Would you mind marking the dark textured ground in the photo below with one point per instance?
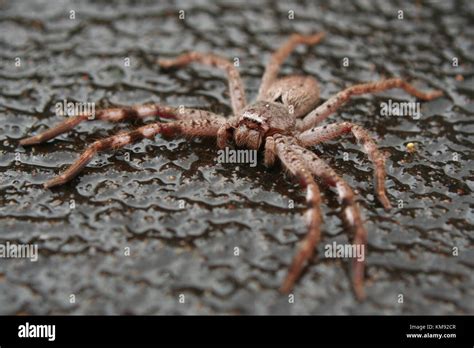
(135, 203)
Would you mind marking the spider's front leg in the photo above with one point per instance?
(278, 57)
(333, 103)
(294, 163)
(288, 150)
(350, 209)
(201, 127)
(324, 133)
(118, 115)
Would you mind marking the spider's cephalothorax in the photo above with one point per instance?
(275, 110)
(259, 120)
(284, 121)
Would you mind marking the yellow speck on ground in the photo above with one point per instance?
(411, 147)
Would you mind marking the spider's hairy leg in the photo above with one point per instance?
(117, 115)
(270, 151)
(204, 127)
(294, 163)
(350, 209)
(279, 56)
(324, 133)
(225, 132)
(236, 87)
(333, 103)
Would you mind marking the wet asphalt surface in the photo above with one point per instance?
(182, 215)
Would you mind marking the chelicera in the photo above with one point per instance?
(284, 122)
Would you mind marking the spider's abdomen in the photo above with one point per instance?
(300, 94)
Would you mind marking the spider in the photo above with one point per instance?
(283, 122)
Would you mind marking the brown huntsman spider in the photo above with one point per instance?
(284, 122)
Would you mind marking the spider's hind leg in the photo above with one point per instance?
(278, 57)
(236, 87)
